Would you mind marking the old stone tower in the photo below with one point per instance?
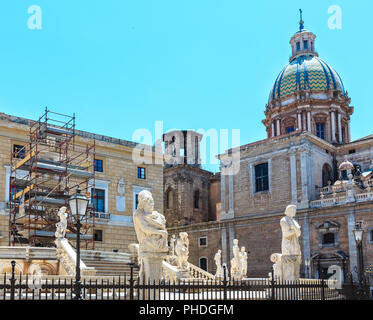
(188, 189)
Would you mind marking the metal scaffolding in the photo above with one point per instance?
(43, 176)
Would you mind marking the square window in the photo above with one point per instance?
(98, 235)
(98, 200)
(298, 46)
(99, 165)
(261, 177)
(19, 151)
(305, 45)
(328, 238)
(203, 242)
(141, 173)
(289, 129)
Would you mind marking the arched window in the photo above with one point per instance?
(326, 174)
(328, 238)
(196, 199)
(169, 199)
(203, 263)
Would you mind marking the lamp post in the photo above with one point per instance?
(307, 263)
(78, 206)
(358, 234)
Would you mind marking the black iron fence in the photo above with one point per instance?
(19, 287)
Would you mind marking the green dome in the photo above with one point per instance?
(306, 71)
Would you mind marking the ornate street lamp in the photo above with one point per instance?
(307, 263)
(78, 206)
(358, 234)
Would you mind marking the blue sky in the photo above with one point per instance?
(120, 65)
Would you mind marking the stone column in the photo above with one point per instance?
(293, 176)
(299, 121)
(222, 196)
(309, 121)
(278, 127)
(332, 115)
(224, 244)
(231, 196)
(273, 129)
(231, 238)
(340, 127)
(304, 177)
(304, 122)
(352, 245)
(348, 136)
(306, 245)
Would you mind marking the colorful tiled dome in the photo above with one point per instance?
(306, 72)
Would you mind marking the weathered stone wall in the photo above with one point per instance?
(261, 235)
(184, 180)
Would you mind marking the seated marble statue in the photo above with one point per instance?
(150, 226)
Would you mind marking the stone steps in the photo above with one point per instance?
(110, 268)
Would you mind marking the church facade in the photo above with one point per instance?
(309, 160)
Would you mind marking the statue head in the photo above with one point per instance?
(235, 241)
(291, 210)
(275, 257)
(62, 211)
(183, 235)
(146, 202)
(219, 251)
(243, 249)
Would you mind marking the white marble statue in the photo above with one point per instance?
(219, 271)
(172, 245)
(182, 250)
(61, 226)
(287, 264)
(235, 261)
(243, 259)
(150, 228)
(277, 267)
(172, 258)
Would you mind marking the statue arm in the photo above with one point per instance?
(287, 232)
(145, 227)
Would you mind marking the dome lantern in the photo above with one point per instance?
(302, 42)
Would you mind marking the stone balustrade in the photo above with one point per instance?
(364, 196)
(325, 190)
(327, 202)
(199, 273)
(27, 253)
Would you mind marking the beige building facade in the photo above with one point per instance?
(118, 180)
